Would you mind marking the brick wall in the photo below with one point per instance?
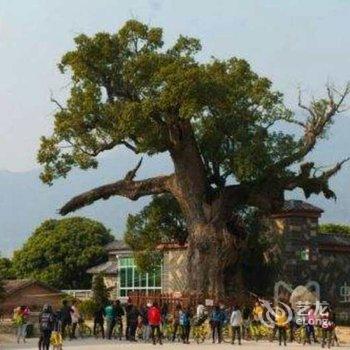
(174, 276)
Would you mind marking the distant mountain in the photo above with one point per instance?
(25, 202)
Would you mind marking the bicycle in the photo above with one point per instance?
(84, 330)
(168, 331)
(300, 335)
(226, 333)
(98, 331)
(118, 330)
(200, 332)
(259, 331)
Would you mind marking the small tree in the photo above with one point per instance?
(100, 291)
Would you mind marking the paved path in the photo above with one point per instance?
(92, 344)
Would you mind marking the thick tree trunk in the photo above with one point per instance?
(211, 250)
(211, 246)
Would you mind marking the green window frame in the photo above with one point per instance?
(130, 279)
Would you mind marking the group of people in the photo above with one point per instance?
(150, 321)
(113, 313)
(53, 326)
(306, 320)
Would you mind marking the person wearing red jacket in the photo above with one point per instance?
(154, 320)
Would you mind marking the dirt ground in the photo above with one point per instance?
(7, 342)
(92, 344)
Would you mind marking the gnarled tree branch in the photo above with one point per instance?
(321, 114)
(124, 188)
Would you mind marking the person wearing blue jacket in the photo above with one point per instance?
(217, 320)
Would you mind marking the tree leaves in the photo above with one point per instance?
(128, 90)
(60, 251)
(161, 221)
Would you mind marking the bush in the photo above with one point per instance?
(87, 309)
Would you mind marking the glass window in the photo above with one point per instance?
(122, 277)
(158, 278)
(130, 279)
(136, 278)
(303, 254)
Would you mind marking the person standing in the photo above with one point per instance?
(281, 322)
(110, 316)
(154, 320)
(257, 314)
(21, 315)
(236, 321)
(46, 323)
(327, 327)
(128, 307)
(99, 320)
(176, 320)
(66, 318)
(310, 326)
(146, 326)
(75, 315)
(217, 320)
(119, 313)
(185, 324)
(132, 320)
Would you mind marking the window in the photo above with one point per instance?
(130, 279)
(303, 254)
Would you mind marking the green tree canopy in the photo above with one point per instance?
(2, 290)
(60, 251)
(334, 228)
(219, 122)
(161, 221)
(6, 268)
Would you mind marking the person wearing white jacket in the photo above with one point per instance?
(236, 321)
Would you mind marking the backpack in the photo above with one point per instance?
(184, 319)
(46, 321)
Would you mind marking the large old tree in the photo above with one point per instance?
(219, 122)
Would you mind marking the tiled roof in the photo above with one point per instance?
(108, 268)
(117, 245)
(12, 286)
(300, 206)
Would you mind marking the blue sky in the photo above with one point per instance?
(293, 42)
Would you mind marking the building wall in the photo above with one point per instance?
(330, 269)
(111, 282)
(296, 235)
(35, 296)
(174, 278)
